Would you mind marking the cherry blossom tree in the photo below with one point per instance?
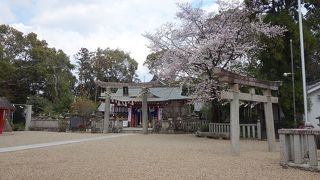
(199, 42)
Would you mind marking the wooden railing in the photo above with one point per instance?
(246, 130)
(298, 148)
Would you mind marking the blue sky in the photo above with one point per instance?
(72, 24)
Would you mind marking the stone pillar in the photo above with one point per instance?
(234, 121)
(144, 111)
(268, 113)
(312, 150)
(284, 148)
(298, 158)
(259, 129)
(106, 120)
(28, 117)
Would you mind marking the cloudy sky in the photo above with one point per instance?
(72, 24)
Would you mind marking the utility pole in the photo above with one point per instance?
(293, 87)
(303, 64)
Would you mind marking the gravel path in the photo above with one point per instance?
(144, 157)
(18, 138)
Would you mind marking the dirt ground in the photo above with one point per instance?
(140, 157)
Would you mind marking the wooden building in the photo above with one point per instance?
(163, 103)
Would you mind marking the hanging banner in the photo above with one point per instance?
(129, 114)
(112, 108)
(159, 114)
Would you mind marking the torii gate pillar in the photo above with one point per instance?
(234, 121)
(107, 111)
(268, 113)
(144, 111)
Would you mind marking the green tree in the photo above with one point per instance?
(312, 21)
(86, 85)
(152, 64)
(34, 69)
(114, 66)
(83, 106)
(275, 59)
(111, 65)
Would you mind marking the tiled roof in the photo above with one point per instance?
(154, 94)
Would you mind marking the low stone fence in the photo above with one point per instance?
(114, 125)
(298, 148)
(44, 124)
(182, 125)
(193, 125)
(246, 130)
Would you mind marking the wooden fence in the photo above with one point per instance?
(246, 130)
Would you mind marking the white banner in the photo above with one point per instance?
(159, 114)
(129, 114)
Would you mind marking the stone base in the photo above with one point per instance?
(301, 166)
(213, 135)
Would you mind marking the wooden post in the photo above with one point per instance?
(106, 111)
(144, 111)
(268, 113)
(234, 121)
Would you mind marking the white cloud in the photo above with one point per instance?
(22, 27)
(70, 25)
(6, 16)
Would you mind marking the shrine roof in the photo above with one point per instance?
(154, 94)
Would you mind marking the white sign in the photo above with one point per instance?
(125, 123)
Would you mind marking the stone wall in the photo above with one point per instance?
(44, 123)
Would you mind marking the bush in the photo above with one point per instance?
(40, 105)
(83, 106)
(19, 126)
(62, 125)
(204, 128)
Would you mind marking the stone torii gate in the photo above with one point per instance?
(235, 96)
(144, 93)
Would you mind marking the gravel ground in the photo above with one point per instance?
(142, 157)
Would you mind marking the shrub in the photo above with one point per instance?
(40, 105)
(19, 126)
(83, 106)
(62, 125)
(204, 128)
